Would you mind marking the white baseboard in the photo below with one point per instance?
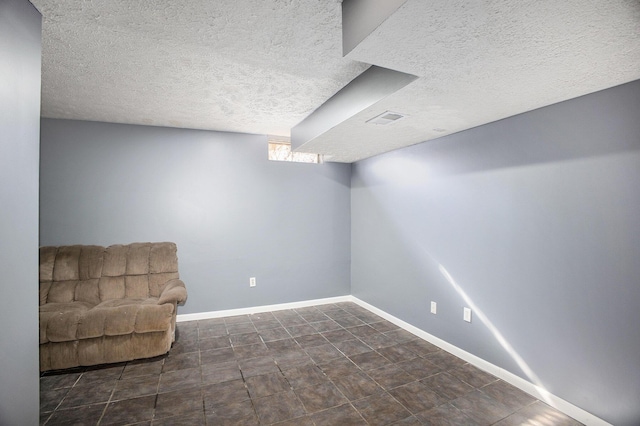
(528, 387)
(264, 308)
(536, 391)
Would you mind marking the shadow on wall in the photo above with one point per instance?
(504, 343)
(539, 136)
(426, 270)
(536, 218)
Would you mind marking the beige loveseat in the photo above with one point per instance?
(107, 304)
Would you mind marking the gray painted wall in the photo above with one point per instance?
(536, 218)
(232, 213)
(20, 27)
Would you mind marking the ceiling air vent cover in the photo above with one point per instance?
(386, 118)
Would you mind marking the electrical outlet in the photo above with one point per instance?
(466, 315)
(434, 308)
(252, 282)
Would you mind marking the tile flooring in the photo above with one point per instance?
(335, 364)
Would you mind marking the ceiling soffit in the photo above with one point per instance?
(479, 62)
(262, 66)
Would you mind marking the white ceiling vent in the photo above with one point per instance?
(386, 117)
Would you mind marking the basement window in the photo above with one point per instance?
(280, 150)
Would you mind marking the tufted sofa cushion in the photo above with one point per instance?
(59, 321)
(94, 274)
(92, 297)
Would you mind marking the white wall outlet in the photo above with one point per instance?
(252, 282)
(434, 308)
(466, 314)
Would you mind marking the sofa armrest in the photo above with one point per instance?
(174, 292)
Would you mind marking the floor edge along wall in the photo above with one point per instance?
(528, 387)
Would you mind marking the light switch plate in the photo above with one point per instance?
(434, 308)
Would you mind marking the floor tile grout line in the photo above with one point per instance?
(384, 390)
(314, 363)
(104, 411)
(298, 346)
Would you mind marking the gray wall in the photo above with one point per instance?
(536, 218)
(20, 27)
(232, 213)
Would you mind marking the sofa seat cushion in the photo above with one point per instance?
(59, 321)
(125, 316)
(64, 322)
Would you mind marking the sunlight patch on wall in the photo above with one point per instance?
(542, 392)
(402, 170)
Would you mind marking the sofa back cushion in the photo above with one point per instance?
(93, 274)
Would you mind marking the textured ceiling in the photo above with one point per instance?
(255, 66)
(261, 66)
(481, 61)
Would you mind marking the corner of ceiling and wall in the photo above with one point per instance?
(471, 64)
(317, 70)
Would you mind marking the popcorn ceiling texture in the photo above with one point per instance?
(487, 60)
(261, 66)
(255, 66)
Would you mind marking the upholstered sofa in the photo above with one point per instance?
(107, 304)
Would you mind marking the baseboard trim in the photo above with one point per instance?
(556, 402)
(536, 391)
(263, 308)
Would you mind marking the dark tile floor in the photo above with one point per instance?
(335, 364)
